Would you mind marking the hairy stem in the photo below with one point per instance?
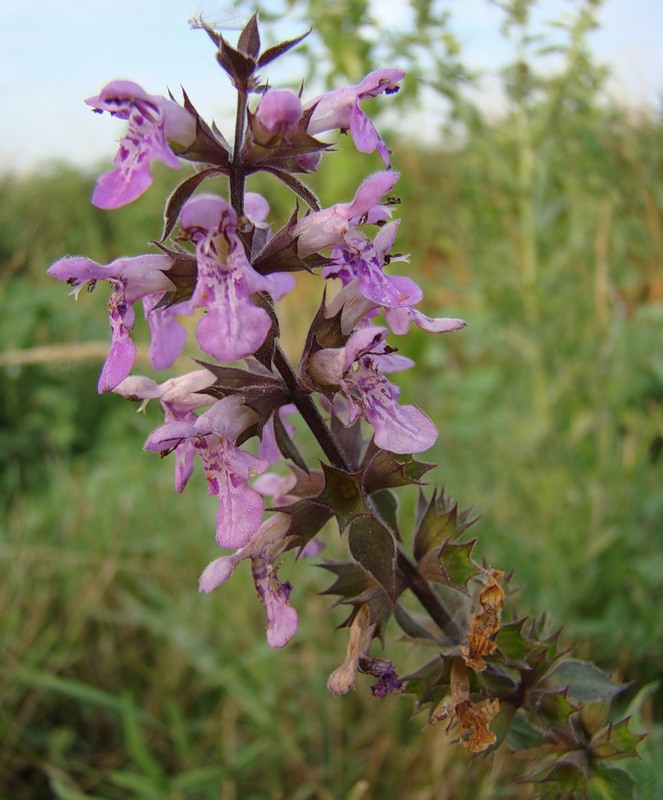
(309, 412)
(237, 176)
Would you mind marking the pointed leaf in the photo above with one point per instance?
(616, 741)
(297, 186)
(511, 642)
(344, 495)
(285, 444)
(249, 38)
(410, 625)
(237, 65)
(386, 470)
(553, 708)
(438, 520)
(373, 546)
(457, 563)
(307, 519)
(279, 49)
(611, 783)
(180, 195)
(585, 681)
(351, 579)
(386, 506)
(265, 353)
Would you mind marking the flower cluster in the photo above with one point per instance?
(227, 268)
(232, 275)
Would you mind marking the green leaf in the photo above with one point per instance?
(585, 681)
(351, 579)
(553, 708)
(437, 521)
(386, 505)
(611, 783)
(616, 741)
(307, 517)
(456, 562)
(410, 625)
(344, 495)
(384, 470)
(374, 547)
(511, 642)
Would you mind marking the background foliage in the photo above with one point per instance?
(543, 227)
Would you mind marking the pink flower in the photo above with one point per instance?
(131, 279)
(227, 468)
(154, 121)
(340, 109)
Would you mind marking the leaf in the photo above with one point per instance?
(384, 470)
(249, 39)
(279, 49)
(307, 517)
(285, 444)
(437, 520)
(410, 625)
(237, 65)
(455, 560)
(569, 771)
(297, 186)
(585, 681)
(616, 741)
(553, 708)
(374, 547)
(344, 495)
(386, 505)
(265, 353)
(611, 783)
(511, 642)
(179, 197)
(351, 579)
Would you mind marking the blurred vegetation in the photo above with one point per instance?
(543, 227)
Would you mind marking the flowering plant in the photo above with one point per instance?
(492, 678)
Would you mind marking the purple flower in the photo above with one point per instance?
(340, 109)
(263, 549)
(167, 336)
(234, 326)
(400, 319)
(227, 468)
(131, 279)
(355, 308)
(328, 228)
(365, 260)
(357, 370)
(277, 114)
(282, 618)
(179, 398)
(153, 122)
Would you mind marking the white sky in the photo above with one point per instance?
(55, 53)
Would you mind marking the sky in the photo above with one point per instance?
(55, 53)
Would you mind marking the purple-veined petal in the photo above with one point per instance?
(282, 619)
(168, 337)
(152, 121)
(168, 436)
(400, 319)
